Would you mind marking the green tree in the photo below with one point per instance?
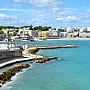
(1, 32)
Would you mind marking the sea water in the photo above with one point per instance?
(71, 73)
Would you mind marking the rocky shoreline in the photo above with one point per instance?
(8, 74)
(30, 53)
(45, 59)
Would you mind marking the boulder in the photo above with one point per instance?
(6, 75)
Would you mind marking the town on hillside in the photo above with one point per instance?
(30, 33)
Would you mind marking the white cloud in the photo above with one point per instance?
(68, 20)
(20, 0)
(3, 15)
(42, 3)
(72, 18)
(88, 10)
(9, 9)
(9, 19)
(60, 18)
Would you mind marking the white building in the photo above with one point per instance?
(54, 33)
(70, 29)
(84, 35)
(83, 29)
(88, 28)
(33, 33)
(63, 34)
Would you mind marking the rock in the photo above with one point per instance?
(45, 59)
(25, 65)
(6, 75)
(2, 82)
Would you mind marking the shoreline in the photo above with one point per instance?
(77, 38)
(31, 54)
(18, 60)
(7, 75)
(70, 39)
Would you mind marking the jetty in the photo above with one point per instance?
(45, 59)
(51, 46)
(29, 53)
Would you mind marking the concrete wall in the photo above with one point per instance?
(4, 54)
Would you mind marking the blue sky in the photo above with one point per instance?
(55, 13)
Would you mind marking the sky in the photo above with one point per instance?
(55, 13)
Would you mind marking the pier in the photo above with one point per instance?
(30, 53)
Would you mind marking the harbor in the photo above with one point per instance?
(29, 52)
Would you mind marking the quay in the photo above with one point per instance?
(52, 46)
(29, 53)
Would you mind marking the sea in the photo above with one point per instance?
(70, 72)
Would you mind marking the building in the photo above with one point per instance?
(70, 29)
(83, 29)
(10, 32)
(43, 34)
(63, 34)
(2, 36)
(88, 28)
(84, 35)
(54, 33)
(33, 33)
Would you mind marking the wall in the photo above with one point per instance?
(4, 54)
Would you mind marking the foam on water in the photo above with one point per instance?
(8, 85)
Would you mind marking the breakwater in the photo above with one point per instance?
(45, 59)
(34, 49)
(30, 53)
(51, 46)
(8, 74)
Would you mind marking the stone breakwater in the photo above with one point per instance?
(30, 53)
(8, 74)
(50, 46)
(34, 49)
(46, 59)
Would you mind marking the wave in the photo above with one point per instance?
(9, 85)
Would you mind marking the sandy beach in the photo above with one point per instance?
(71, 39)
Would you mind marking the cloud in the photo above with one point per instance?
(21, 0)
(9, 9)
(68, 19)
(72, 18)
(88, 10)
(3, 15)
(60, 19)
(9, 20)
(42, 3)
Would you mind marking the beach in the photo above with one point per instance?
(71, 39)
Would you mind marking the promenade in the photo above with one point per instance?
(29, 54)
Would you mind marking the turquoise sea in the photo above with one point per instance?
(73, 73)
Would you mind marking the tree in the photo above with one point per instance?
(1, 32)
(31, 27)
(43, 28)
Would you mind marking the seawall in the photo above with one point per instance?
(30, 54)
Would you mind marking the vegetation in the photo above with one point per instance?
(1, 32)
(31, 27)
(9, 27)
(62, 30)
(43, 28)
